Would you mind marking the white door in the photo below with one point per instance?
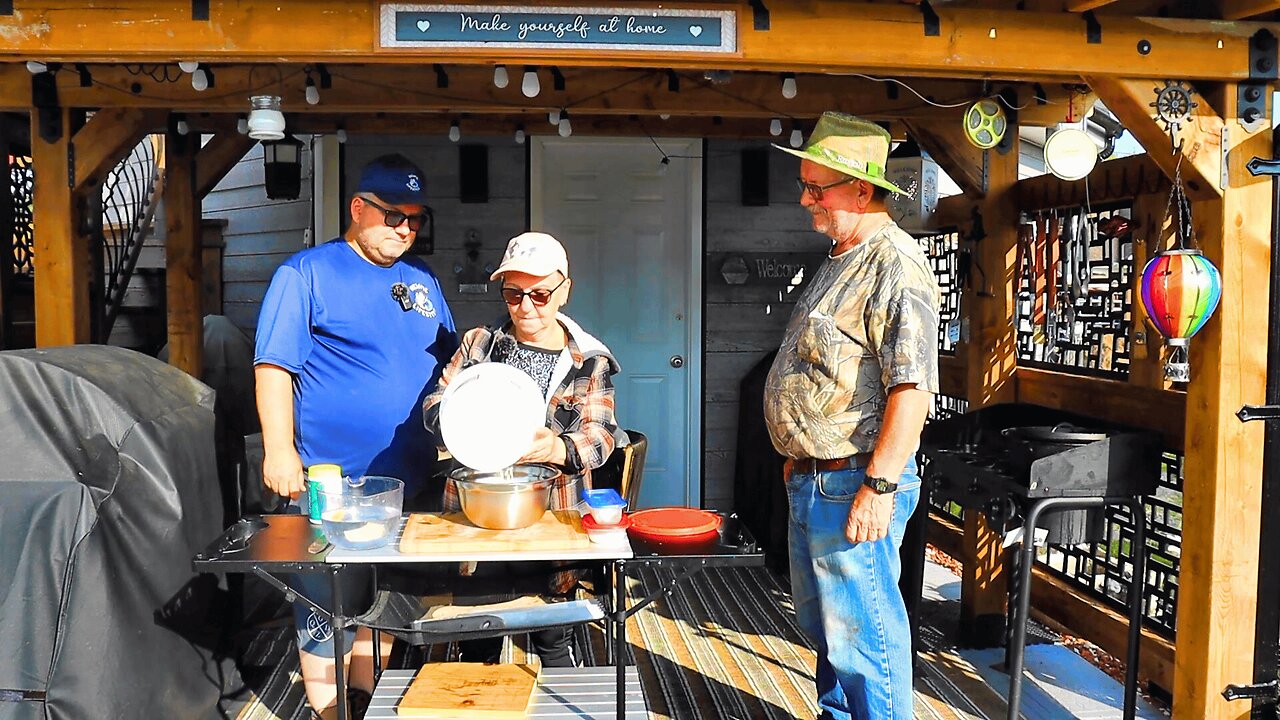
(633, 228)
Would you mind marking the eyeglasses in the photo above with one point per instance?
(537, 296)
(815, 191)
(394, 218)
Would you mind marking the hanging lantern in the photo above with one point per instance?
(985, 123)
(1180, 290)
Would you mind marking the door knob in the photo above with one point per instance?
(677, 361)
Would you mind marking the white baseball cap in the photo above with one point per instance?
(533, 253)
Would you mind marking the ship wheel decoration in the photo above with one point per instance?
(1173, 106)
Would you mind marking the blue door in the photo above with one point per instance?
(632, 227)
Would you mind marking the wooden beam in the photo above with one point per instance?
(943, 138)
(1222, 473)
(61, 251)
(184, 274)
(802, 37)
(1079, 6)
(1200, 137)
(108, 136)
(1244, 9)
(601, 91)
(1163, 411)
(218, 156)
(1111, 181)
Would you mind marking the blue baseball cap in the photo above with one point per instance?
(395, 179)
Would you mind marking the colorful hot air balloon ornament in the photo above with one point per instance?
(1180, 289)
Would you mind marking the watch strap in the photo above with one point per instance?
(879, 484)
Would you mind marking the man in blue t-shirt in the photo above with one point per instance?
(351, 338)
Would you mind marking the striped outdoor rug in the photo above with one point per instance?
(724, 645)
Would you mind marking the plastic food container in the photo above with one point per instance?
(604, 506)
(675, 526)
(363, 514)
(606, 534)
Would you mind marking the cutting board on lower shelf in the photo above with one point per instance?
(470, 691)
(434, 533)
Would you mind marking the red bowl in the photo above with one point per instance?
(674, 525)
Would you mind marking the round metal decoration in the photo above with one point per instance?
(985, 123)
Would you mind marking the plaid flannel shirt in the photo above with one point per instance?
(581, 411)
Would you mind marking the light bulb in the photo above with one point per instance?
(455, 132)
(341, 135)
(520, 135)
(553, 117)
(35, 67)
(199, 80)
(775, 127)
(242, 126)
(663, 164)
(313, 93)
(500, 79)
(797, 138)
(565, 128)
(788, 86)
(664, 116)
(183, 128)
(188, 66)
(530, 85)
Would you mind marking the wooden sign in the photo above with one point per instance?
(416, 25)
(469, 690)
(785, 269)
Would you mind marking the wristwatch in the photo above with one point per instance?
(879, 484)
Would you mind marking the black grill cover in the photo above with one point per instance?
(108, 487)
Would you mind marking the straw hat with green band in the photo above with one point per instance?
(849, 145)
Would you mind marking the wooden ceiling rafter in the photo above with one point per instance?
(1245, 9)
(802, 37)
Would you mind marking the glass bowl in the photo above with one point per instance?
(364, 514)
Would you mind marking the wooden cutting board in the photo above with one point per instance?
(470, 691)
(434, 533)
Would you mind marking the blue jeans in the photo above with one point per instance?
(847, 599)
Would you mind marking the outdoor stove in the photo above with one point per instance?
(1052, 470)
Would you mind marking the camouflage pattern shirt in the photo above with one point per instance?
(867, 322)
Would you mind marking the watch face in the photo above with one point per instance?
(881, 485)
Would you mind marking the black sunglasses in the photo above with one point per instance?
(815, 191)
(394, 218)
(538, 296)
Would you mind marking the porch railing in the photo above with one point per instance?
(130, 194)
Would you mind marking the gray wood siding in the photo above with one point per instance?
(260, 233)
(743, 323)
(494, 222)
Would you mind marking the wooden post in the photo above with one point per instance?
(1222, 475)
(1146, 358)
(61, 252)
(184, 275)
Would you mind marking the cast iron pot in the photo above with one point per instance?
(1036, 441)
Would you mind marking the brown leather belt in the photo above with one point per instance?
(817, 465)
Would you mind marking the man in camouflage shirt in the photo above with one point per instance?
(845, 402)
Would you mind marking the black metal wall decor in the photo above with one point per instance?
(942, 249)
(1074, 291)
(22, 181)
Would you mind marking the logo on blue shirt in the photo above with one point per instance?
(422, 300)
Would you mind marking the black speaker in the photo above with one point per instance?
(473, 173)
(755, 177)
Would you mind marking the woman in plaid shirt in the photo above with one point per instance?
(573, 370)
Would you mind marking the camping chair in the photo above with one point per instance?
(624, 470)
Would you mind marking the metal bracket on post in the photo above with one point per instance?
(1092, 28)
(1266, 693)
(71, 164)
(199, 9)
(1251, 96)
(6, 7)
(1224, 178)
(1249, 413)
(932, 24)
(759, 15)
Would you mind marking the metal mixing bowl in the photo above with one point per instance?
(508, 499)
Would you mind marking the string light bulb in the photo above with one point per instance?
(665, 116)
(529, 85)
(341, 135)
(455, 132)
(663, 164)
(182, 127)
(201, 79)
(242, 125)
(553, 117)
(797, 137)
(788, 86)
(500, 77)
(566, 127)
(35, 67)
(775, 127)
(519, 134)
(188, 66)
(313, 92)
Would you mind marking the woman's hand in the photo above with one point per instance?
(547, 448)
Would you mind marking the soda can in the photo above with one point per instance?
(320, 477)
(315, 500)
